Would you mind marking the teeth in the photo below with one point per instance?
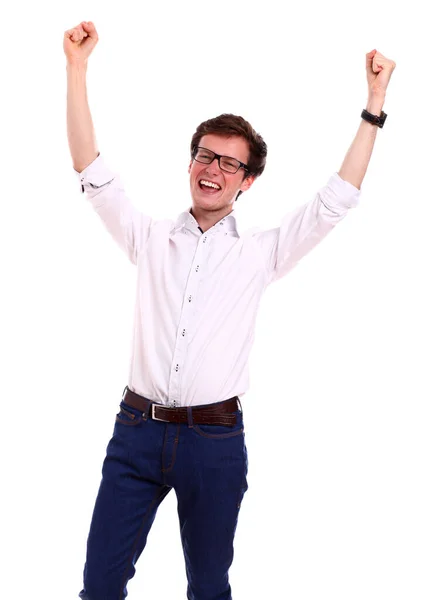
(210, 184)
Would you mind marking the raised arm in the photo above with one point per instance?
(379, 70)
(103, 188)
(78, 44)
(306, 226)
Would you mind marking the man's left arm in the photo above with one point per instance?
(379, 70)
(306, 226)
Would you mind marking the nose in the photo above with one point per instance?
(213, 167)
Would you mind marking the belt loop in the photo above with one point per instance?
(239, 402)
(124, 390)
(189, 413)
(147, 410)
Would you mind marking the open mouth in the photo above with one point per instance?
(209, 187)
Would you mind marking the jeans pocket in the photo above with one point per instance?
(221, 431)
(128, 415)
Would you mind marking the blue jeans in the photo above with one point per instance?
(207, 467)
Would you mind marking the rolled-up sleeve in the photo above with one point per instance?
(105, 191)
(304, 227)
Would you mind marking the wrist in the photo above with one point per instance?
(77, 64)
(375, 104)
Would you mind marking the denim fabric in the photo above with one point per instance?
(207, 467)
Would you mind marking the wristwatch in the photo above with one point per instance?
(374, 119)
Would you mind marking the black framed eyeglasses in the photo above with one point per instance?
(226, 163)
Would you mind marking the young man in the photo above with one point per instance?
(199, 283)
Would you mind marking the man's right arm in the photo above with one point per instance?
(103, 188)
(78, 44)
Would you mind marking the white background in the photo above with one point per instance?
(333, 415)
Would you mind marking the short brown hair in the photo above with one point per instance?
(228, 125)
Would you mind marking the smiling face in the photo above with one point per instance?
(220, 195)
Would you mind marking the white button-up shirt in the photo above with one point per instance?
(197, 294)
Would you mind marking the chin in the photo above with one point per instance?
(206, 201)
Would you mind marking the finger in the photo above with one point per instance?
(81, 30)
(88, 27)
(383, 61)
(78, 34)
(378, 61)
(71, 32)
(369, 60)
(370, 55)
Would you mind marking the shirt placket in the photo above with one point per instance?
(189, 307)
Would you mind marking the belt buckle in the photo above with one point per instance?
(153, 413)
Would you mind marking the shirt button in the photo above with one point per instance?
(177, 368)
(183, 333)
(196, 269)
(189, 298)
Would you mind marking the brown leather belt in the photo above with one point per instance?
(218, 413)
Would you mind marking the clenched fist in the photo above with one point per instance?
(379, 70)
(80, 41)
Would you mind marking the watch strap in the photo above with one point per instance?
(374, 119)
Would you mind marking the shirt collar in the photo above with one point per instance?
(228, 223)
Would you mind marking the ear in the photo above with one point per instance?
(247, 183)
(189, 167)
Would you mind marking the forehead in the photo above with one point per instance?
(233, 146)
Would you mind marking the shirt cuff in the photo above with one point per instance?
(96, 174)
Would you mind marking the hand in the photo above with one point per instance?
(379, 70)
(79, 42)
